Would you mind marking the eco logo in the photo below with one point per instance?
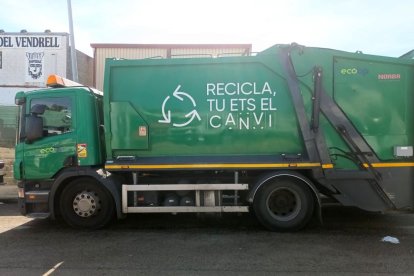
(354, 71)
(182, 97)
(35, 66)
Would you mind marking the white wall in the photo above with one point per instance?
(7, 94)
(27, 59)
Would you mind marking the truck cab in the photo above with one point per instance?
(55, 135)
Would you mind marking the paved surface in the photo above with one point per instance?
(347, 244)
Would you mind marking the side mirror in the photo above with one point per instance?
(34, 128)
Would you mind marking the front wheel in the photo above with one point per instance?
(84, 203)
(284, 204)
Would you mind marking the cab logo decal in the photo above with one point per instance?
(47, 151)
(82, 151)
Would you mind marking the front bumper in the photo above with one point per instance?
(32, 202)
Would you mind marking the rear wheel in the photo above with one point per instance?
(284, 204)
(84, 203)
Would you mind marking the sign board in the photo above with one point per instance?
(28, 58)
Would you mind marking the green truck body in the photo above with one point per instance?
(278, 132)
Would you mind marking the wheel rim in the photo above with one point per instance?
(283, 204)
(86, 204)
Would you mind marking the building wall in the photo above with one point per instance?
(7, 93)
(27, 59)
(140, 51)
(207, 52)
(85, 68)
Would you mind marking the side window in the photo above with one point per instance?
(57, 115)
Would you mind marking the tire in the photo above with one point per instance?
(284, 204)
(84, 203)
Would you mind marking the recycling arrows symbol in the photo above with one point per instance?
(166, 114)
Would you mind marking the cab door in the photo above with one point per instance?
(44, 157)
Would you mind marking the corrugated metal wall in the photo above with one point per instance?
(205, 52)
(175, 51)
(126, 53)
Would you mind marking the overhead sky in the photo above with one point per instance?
(380, 27)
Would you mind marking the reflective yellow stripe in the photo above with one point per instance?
(249, 166)
(390, 165)
(209, 166)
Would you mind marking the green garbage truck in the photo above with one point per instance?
(279, 133)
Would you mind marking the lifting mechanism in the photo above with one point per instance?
(314, 140)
